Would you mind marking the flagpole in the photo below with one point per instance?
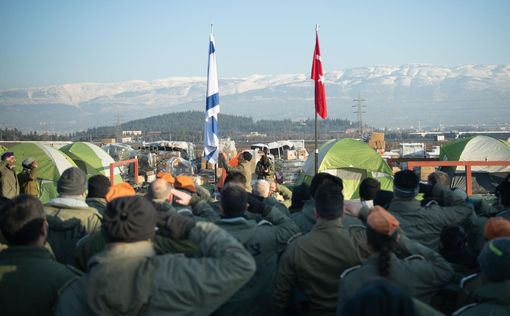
(316, 152)
(316, 149)
(216, 163)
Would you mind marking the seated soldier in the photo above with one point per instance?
(128, 277)
(306, 219)
(69, 217)
(425, 223)
(95, 242)
(300, 195)
(98, 186)
(488, 293)
(312, 263)
(264, 240)
(422, 276)
(30, 278)
(454, 249)
(367, 190)
(384, 298)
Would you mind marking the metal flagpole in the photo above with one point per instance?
(316, 148)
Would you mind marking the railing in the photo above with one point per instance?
(121, 163)
(466, 164)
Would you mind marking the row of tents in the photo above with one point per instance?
(353, 161)
(350, 159)
(52, 162)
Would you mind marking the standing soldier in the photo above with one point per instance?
(28, 178)
(9, 186)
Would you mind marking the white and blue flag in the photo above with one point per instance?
(212, 108)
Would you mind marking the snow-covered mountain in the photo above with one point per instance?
(396, 96)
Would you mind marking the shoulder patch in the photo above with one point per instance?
(356, 228)
(294, 237)
(347, 271)
(463, 309)
(467, 279)
(414, 257)
(264, 222)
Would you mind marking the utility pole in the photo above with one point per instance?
(118, 129)
(359, 110)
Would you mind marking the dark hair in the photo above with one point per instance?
(246, 156)
(379, 298)
(21, 220)
(234, 199)
(235, 177)
(383, 244)
(439, 177)
(503, 191)
(319, 179)
(368, 188)
(329, 201)
(300, 194)
(383, 198)
(98, 186)
(453, 237)
(406, 179)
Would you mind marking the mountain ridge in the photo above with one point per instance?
(396, 96)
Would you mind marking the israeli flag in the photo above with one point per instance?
(212, 108)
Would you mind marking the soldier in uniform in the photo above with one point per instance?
(69, 217)
(422, 276)
(313, 263)
(9, 185)
(30, 278)
(265, 240)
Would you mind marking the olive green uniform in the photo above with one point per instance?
(421, 276)
(29, 281)
(129, 279)
(313, 264)
(28, 182)
(9, 185)
(265, 241)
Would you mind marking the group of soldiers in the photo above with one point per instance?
(102, 249)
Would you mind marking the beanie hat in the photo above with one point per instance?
(381, 221)
(495, 258)
(166, 176)
(122, 189)
(7, 154)
(496, 227)
(73, 181)
(98, 186)
(186, 183)
(27, 162)
(129, 219)
(406, 184)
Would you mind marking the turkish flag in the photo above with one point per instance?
(318, 77)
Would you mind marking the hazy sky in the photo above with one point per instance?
(52, 42)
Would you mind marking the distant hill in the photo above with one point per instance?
(397, 96)
(188, 126)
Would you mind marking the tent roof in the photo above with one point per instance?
(94, 158)
(347, 153)
(52, 162)
(477, 148)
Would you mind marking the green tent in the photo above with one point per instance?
(91, 159)
(477, 148)
(52, 164)
(352, 161)
(2, 149)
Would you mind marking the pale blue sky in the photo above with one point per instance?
(52, 42)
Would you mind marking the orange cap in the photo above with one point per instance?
(382, 221)
(496, 227)
(186, 183)
(166, 176)
(120, 190)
